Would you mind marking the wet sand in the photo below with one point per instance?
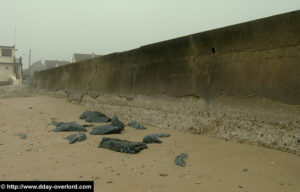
(213, 164)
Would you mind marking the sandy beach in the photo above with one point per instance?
(213, 164)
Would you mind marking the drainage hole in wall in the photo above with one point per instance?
(213, 50)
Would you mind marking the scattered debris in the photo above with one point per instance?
(159, 135)
(136, 125)
(22, 135)
(95, 117)
(122, 146)
(151, 139)
(163, 174)
(69, 126)
(76, 138)
(179, 160)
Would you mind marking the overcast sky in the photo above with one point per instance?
(55, 29)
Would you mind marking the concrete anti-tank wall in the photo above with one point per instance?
(260, 57)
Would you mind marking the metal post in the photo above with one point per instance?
(29, 58)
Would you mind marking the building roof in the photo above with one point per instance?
(54, 63)
(80, 56)
(3, 46)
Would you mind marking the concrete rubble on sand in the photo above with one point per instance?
(179, 160)
(115, 127)
(73, 138)
(117, 123)
(22, 135)
(68, 126)
(106, 129)
(152, 138)
(136, 125)
(159, 135)
(122, 146)
(95, 117)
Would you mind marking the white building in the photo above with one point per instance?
(10, 66)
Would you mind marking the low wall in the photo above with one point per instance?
(244, 68)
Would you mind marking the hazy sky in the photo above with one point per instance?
(55, 29)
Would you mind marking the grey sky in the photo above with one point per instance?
(55, 29)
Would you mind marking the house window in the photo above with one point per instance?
(6, 68)
(6, 52)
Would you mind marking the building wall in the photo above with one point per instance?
(257, 58)
(7, 59)
(5, 73)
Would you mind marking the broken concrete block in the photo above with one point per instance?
(117, 123)
(76, 138)
(114, 127)
(151, 139)
(122, 146)
(136, 125)
(179, 160)
(95, 117)
(159, 135)
(22, 135)
(70, 126)
(106, 129)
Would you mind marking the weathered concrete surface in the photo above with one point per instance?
(260, 57)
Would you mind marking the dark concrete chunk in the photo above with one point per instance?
(81, 137)
(69, 126)
(114, 127)
(88, 125)
(76, 138)
(117, 123)
(159, 135)
(95, 117)
(71, 138)
(122, 146)
(106, 129)
(22, 135)
(179, 160)
(151, 139)
(136, 125)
